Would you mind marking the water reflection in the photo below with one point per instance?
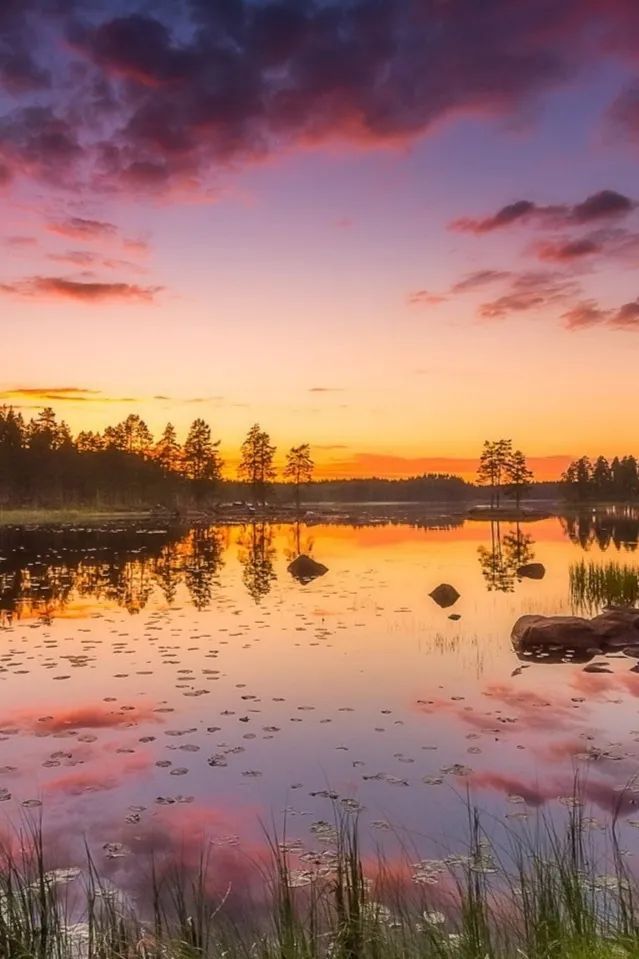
(236, 691)
(257, 556)
(616, 526)
(42, 571)
(48, 572)
(500, 561)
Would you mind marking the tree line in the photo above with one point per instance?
(43, 464)
(602, 480)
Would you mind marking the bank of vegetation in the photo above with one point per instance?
(543, 893)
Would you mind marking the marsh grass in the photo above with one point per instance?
(593, 586)
(538, 893)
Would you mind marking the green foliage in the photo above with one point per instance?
(538, 894)
(593, 585)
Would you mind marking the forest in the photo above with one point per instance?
(42, 465)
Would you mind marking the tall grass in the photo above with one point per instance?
(537, 894)
(593, 586)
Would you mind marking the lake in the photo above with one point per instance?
(164, 691)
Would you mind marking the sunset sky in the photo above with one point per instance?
(389, 228)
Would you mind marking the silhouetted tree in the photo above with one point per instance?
(256, 465)
(299, 468)
(167, 450)
(602, 476)
(492, 466)
(618, 480)
(200, 456)
(89, 442)
(518, 476)
(132, 435)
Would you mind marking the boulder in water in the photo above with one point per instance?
(568, 632)
(553, 637)
(445, 595)
(532, 571)
(305, 569)
(617, 627)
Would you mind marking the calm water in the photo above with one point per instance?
(158, 686)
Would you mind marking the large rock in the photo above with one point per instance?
(304, 568)
(445, 595)
(569, 632)
(613, 629)
(532, 571)
(617, 627)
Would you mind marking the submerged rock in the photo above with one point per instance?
(532, 571)
(305, 569)
(445, 595)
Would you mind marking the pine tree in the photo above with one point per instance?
(518, 475)
(200, 456)
(492, 464)
(256, 465)
(167, 450)
(299, 468)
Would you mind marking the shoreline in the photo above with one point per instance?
(230, 514)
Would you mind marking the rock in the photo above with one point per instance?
(455, 616)
(445, 595)
(554, 637)
(597, 668)
(617, 627)
(305, 569)
(532, 571)
(566, 632)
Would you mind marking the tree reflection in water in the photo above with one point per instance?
(257, 554)
(500, 561)
(44, 571)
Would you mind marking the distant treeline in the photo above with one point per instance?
(42, 465)
(602, 481)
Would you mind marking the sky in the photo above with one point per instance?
(389, 228)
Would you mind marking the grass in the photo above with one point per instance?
(31, 516)
(612, 584)
(538, 894)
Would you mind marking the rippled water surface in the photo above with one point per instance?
(158, 686)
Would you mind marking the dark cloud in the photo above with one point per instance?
(589, 313)
(569, 250)
(425, 298)
(80, 228)
(624, 115)
(604, 205)
(19, 240)
(478, 279)
(38, 143)
(512, 213)
(528, 292)
(157, 96)
(74, 257)
(87, 292)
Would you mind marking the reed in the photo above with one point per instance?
(538, 893)
(593, 586)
